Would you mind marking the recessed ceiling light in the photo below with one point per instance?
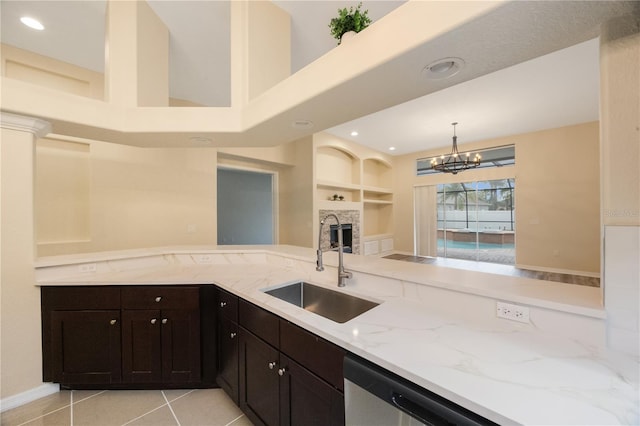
(302, 124)
(32, 23)
(392, 148)
(443, 68)
(354, 133)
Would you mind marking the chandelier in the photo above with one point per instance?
(454, 162)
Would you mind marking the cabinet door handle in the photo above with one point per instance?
(164, 320)
(223, 304)
(233, 335)
(281, 371)
(158, 299)
(153, 321)
(272, 365)
(112, 322)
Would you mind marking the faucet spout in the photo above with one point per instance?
(342, 273)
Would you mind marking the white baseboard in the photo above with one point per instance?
(30, 395)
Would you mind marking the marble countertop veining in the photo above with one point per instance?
(502, 370)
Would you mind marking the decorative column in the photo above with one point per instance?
(20, 299)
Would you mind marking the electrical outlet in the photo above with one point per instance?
(512, 312)
(204, 259)
(88, 267)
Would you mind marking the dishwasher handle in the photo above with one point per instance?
(422, 404)
(426, 416)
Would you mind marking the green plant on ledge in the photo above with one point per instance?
(349, 20)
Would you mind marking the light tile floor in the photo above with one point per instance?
(200, 407)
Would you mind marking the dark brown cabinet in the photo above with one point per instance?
(160, 345)
(85, 346)
(288, 376)
(228, 337)
(128, 336)
(307, 400)
(259, 380)
(81, 335)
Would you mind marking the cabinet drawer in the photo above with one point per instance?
(228, 305)
(262, 323)
(160, 297)
(316, 354)
(80, 298)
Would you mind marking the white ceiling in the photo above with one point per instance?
(555, 90)
(558, 89)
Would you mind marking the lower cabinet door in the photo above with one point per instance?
(180, 346)
(307, 400)
(85, 347)
(228, 358)
(141, 349)
(259, 380)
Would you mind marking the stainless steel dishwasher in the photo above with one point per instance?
(377, 397)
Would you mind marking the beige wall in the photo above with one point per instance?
(21, 359)
(620, 133)
(620, 107)
(557, 203)
(62, 191)
(260, 49)
(142, 197)
(137, 55)
(44, 71)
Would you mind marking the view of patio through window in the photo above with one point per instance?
(467, 220)
(476, 221)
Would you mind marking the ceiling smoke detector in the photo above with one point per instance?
(302, 124)
(200, 141)
(443, 68)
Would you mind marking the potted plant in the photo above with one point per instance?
(349, 20)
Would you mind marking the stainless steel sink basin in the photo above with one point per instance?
(334, 305)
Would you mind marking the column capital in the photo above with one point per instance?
(39, 128)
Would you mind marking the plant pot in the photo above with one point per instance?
(347, 36)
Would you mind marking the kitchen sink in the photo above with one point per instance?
(334, 305)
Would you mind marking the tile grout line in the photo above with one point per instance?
(170, 408)
(44, 415)
(142, 415)
(234, 420)
(182, 396)
(71, 408)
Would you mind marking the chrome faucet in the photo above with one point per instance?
(342, 274)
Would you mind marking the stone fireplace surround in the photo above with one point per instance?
(345, 216)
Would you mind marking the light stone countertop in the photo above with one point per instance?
(509, 372)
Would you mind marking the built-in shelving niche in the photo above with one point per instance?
(365, 185)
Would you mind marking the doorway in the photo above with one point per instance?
(246, 207)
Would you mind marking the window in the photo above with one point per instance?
(476, 221)
(467, 220)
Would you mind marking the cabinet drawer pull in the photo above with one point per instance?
(153, 321)
(223, 304)
(272, 365)
(282, 370)
(233, 335)
(158, 299)
(164, 320)
(112, 322)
